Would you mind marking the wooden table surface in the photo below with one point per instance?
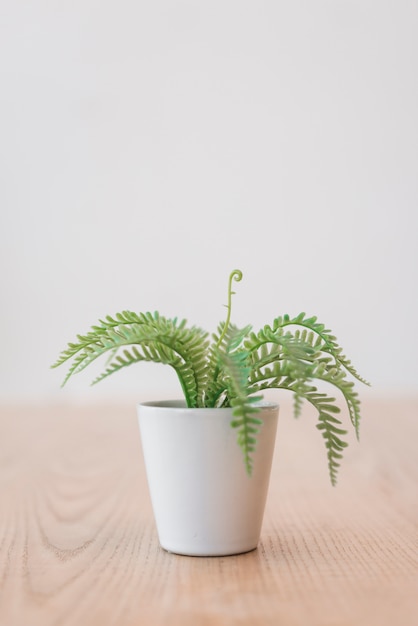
(78, 545)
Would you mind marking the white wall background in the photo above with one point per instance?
(148, 148)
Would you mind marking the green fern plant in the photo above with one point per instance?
(233, 367)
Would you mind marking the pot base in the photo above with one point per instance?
(211, 553)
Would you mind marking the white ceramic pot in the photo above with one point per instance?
(204, 502)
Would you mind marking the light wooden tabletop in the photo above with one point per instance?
(78, 545)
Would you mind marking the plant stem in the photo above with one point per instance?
(237, 276)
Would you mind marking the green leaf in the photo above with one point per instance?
(154, 338)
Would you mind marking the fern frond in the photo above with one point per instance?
(156, 353)
(268, 346)
(233, 363)
(222, 342)
(329, 426)
(99, 332)
(327, 342)
(282, 375)
(313, 344)
(156, 338)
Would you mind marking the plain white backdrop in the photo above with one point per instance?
(148, 148)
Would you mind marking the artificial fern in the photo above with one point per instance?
(233, 368)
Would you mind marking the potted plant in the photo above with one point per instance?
(208, 493)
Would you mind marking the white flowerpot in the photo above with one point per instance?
(204, 502)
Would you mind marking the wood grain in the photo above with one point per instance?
(78, 544)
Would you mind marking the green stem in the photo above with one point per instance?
(237, 276)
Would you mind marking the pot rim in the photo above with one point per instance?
(180, 405)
